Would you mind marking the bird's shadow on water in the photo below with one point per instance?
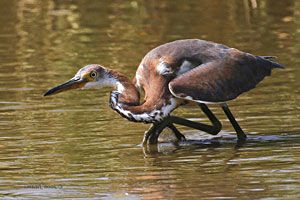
(225, 140)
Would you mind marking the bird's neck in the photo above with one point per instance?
(157, 105)
(128, 93)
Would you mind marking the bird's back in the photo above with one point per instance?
(193, 49)
(231, 72)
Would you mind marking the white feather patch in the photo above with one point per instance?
(104, 82)
(162, 68)
(153, 116)
(185, 67)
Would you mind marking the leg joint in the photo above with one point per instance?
(216, 127)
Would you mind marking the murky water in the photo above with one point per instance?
(73, 146)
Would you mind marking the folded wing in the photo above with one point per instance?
(222, 80)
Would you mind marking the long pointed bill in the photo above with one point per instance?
(71, 84)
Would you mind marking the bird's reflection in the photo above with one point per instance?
(169, 147)
(172, 147)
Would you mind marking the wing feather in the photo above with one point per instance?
(222, 80)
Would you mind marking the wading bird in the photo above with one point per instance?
(175, 74)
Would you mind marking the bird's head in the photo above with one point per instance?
(90, 76)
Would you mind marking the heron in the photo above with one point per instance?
(174, 74)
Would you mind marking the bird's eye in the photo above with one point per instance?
(93, 74)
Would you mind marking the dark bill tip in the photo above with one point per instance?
(54, 90)
(71, 84)
(49, 92)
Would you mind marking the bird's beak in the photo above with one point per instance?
(73, 83)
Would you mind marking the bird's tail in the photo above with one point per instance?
(272, 61)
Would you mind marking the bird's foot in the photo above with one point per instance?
(241, 136)
(240, 143)
(241, 139)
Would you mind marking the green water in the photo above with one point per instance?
(73, 145)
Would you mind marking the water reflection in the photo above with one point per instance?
(77, 142)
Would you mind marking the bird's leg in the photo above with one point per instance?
(157, 129)
(216, 126)
(213, 129)
(240, 133)
(151, 131)
(177, 133)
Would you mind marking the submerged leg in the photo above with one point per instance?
(214, 129)
(240, 133)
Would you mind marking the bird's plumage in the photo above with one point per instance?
(217, 73)
(174, 73)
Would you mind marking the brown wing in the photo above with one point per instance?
(222, 80)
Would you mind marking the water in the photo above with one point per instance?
(73, 146)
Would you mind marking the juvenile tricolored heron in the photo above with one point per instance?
(174, 74)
